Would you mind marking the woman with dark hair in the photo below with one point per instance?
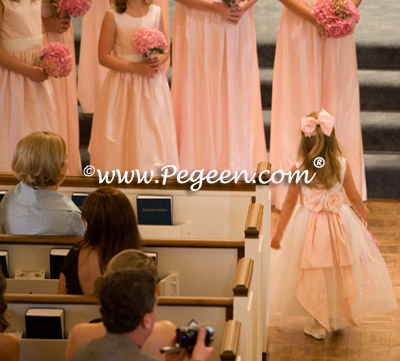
(9, 344)
(110, 228)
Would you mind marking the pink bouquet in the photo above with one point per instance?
(337, 17)
(148, 42)
(56, 60)
(74, 8)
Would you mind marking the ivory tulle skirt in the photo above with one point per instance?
(374, 292)
(133, 124)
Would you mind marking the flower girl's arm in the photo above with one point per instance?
(353, 195)
(9, 62)
(286, 213)
(107, 59)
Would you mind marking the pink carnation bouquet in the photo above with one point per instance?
(56, 60)
(75, 8)
(148, 42)
(337, 17)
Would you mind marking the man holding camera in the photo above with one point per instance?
(128, 309)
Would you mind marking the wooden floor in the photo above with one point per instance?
(375, 339)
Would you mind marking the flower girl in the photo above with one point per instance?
(329, 267)
(26, 97)
(133, 123)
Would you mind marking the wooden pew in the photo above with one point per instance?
(215, 211)
(79, 309)
(183, 256)
(205, 310)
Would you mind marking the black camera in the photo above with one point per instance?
(186, 336)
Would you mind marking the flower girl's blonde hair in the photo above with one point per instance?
(120, 5)
(326, 147)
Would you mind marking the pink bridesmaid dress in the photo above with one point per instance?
(311, 73)
(91, 73)
(66, 96)
(26, 106)
(329, 267)
(216, 92)
(133, 123)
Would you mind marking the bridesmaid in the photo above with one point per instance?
(91, 73)
(59, 29)
(313, 72)
(216, 86)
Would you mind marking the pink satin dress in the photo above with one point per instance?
(311, 73)
(91, 73)
(216, 92)
(66, 96)
(133, 123)
(26, 106)
(329, 267)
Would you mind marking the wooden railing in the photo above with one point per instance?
(230, 340)
(254, 220)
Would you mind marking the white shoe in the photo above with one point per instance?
(317, 333)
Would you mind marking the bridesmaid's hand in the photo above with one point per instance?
(227, 13)
(36, 74)
(57, 24)
(276, 240)
(64, 22)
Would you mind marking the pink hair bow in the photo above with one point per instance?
(325, 121)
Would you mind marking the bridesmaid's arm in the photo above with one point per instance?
(246, 4)
(287, 211)
(107, 59)
(9, 62)
(301, 9)
(353, 195)
(208, 5)
(227, 13)
(356, 2)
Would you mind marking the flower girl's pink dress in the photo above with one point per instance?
(26, 106)
(66, 96)
(91, 73)
(330, 267)
(311, 73)
(133, 123)
(216, 91)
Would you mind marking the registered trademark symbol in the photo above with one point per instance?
(319, 162)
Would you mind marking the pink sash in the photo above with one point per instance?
(325, 246)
